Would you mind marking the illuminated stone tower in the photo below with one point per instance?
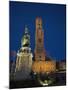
(39, 41)
(41, 65)
(24, 58)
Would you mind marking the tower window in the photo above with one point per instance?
(39, 25)
(39, 40)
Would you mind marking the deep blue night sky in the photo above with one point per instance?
(54, 26)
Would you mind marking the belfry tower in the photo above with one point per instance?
(41, 65)
(39, 41)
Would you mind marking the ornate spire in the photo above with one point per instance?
(26, 29)
(25, 42)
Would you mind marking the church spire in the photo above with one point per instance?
(26, 30)
(25, 42)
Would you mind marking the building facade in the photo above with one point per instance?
(24, 58)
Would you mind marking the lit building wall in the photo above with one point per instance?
(44, 66)
(24, 60)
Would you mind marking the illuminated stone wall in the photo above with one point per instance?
(39, 40)
(23, 63)
(24, 60)
(44, 66)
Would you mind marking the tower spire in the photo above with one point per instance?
(25, 42)
(26, 29)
